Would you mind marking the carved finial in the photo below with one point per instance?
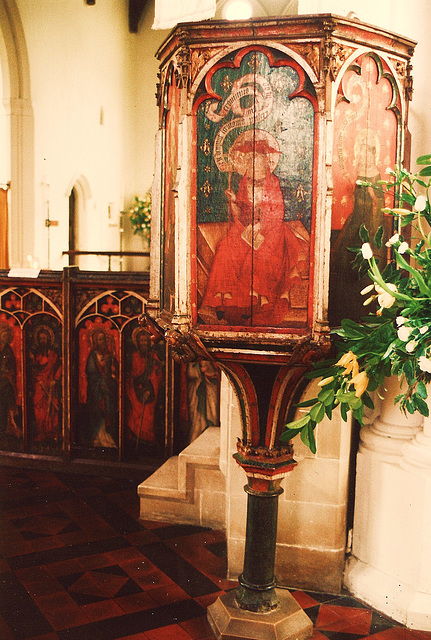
(408, 86)
(183, 67)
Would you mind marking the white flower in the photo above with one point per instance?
(420, 203)
(367, 290)
(400, 320)
(403, 247)
(411, 345)
(423, 330)
(404, 333)
(385, 299)
(367, 252)
(395, 238)
(368, 301)
(424, 364)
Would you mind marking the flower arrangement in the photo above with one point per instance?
(395, 338)
(140, 216)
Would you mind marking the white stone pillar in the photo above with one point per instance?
(390, 431)
(416, 454)
(390, 565)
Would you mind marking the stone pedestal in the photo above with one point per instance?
(256, 610)
(287, 622)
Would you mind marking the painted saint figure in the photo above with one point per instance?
(203, 395)
(46, 384)
(8, 406)
(143, 386)
(261, 265)
(102, 389)
(368, 201)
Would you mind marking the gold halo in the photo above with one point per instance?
(236, 156)
(136, 332)
(45, 329)
(96, 330)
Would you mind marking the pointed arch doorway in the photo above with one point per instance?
(79, 194)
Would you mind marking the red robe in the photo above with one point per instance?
(142, 391)
(256, 275)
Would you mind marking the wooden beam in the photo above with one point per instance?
(136, 8)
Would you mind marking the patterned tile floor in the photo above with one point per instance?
(76, 564)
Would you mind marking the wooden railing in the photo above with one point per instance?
(109, 254)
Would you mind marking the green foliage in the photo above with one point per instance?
(396, 338)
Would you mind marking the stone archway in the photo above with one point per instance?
(15, 73)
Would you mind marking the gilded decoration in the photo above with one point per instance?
(199, 59)
(182, 66)
(334, 56)
(311, 53)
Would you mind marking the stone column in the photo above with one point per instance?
(390, 565)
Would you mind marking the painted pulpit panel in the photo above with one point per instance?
(366, 142)
(255, 138)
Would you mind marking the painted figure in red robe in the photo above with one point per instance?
(262, 257)
(8, 405)
(143, 385)
(46, 374)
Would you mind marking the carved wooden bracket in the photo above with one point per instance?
(184, 343)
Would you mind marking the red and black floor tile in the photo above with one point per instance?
(76, 563)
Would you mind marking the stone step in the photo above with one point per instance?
(188, 488)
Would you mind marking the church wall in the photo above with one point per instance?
(93, 96)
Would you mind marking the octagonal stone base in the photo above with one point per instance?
(287, 622)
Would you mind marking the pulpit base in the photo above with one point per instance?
(287, 622)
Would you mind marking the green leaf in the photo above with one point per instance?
(307, 437)
(426, 171)
(359, 414)
(317, 413)
(378, 238)
(306, 403)
(426, 159)
(289, 434)
(367, 401)
(363, 233)
(326, 396)
(344, 409)
(423, 288)
(421, 405)
(421, 390)
(299, 423)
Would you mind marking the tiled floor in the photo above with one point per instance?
(76, 564)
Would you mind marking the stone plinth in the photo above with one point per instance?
(287, 622)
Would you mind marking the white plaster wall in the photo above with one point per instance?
(93, 94)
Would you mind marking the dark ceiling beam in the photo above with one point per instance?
(136, 8)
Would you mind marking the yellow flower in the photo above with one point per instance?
(360, 382)
(350, 363)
